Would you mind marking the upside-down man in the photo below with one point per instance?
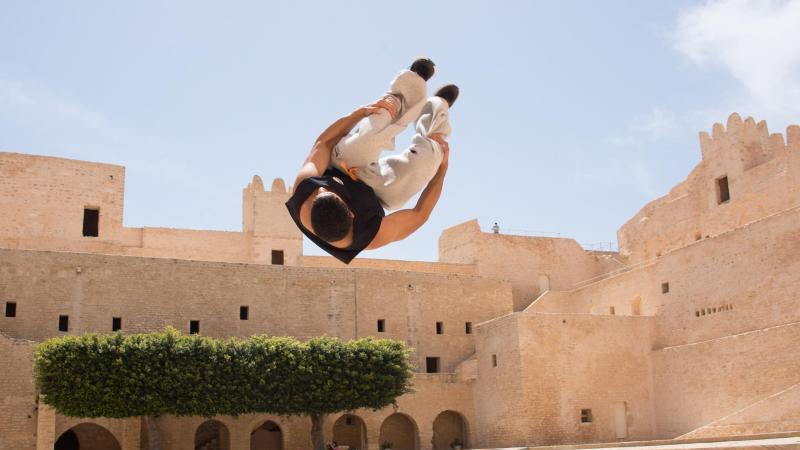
(339, 196)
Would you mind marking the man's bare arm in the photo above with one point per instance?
(319, 158)
(401, 224)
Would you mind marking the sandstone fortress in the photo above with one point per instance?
(690, 331)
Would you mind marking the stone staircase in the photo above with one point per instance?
(783, 441)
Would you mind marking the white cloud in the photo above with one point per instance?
(658, 124)
(65, 126)
(36, 104)
(757, 42)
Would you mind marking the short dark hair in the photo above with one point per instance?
(330, 218)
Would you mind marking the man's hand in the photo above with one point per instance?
(319, 158)
(444, 146)
(400, 224)
(388, 103)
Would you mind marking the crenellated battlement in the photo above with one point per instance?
(753, 141)
(746, 173)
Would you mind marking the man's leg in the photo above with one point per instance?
(397, 178)
(376, 133)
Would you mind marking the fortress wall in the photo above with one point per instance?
(149, 294)
(389, 264)
(738, 281)
(500, 402)
(762, 174)
(699, 383)
(532, 264)
(223, 246)
(412, 303)
(18, 413)
(42, 201)
(573, 362)
(564, 363)
(43, 198)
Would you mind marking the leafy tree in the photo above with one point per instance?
(149, 375)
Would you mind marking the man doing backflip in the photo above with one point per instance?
(339, 196)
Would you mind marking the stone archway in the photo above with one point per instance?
(87, 436)
(267, 436)
(448, 427)
(350, 430)
(212, 435)
(401, 431)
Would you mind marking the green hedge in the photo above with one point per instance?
(171, 373)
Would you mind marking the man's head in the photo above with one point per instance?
(331, 218)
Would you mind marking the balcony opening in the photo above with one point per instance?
(11, 309)
(432, 364)
(91, 222)
(723, 191)
(63, 323)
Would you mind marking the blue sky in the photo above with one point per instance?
(572, 116)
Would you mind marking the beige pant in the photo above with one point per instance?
(397, 178)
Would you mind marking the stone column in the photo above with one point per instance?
(45, 427)
(373, 436)
(131, 434)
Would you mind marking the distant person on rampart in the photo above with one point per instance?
(339, 196)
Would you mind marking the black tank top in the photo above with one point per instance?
(359, 197)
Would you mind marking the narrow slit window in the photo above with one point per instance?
(244, 313)
(723, 190)
(381, 325)
(277, 257)
(116, 323)
(612, 310)
(439, 327)
(432, 364)
(468, 327)
(586, 416)
(91, 222)
(63, 323)
(494, 360)
(664, 288)
(194, 326)
(11, 309)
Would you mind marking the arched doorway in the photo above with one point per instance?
(401, 431)
(448, 429)
(544, 284)
(268, 436)
(212, 435)
(350, 430)
(87, 436)
(636, 306)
